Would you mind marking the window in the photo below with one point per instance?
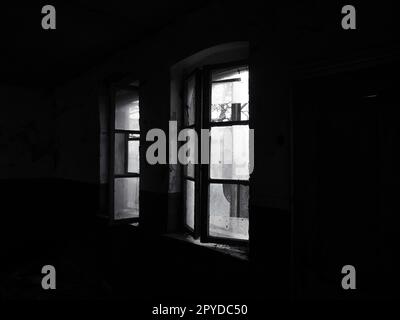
(125, 162)
(216, 195)
(191, 173)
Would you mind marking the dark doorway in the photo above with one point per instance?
(346, 182)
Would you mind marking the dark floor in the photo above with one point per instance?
(95, 261)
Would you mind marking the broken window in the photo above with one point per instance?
(228, 172)
(216, 195)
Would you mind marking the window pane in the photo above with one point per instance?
(230, 95)
(120, 153)
(230, 154)
(126, 198)
(228, 211)
(133, 156)
(189, 203)
(127, 110)
(191, 156)
(188, 170)
(190, 101)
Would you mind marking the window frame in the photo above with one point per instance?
(203, 121)
(196, 126)
(113, 131)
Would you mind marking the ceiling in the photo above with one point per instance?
(87, 33)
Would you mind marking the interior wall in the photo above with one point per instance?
(28, 153)
(275, 49)
(77, 125)
(26, 142)
(280, 44)
(60, 136)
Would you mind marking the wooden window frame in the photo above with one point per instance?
(203, 121)
(112, 175)
(196, 179)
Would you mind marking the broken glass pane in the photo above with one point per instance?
(230, 152)
(126, 198)
(228, 211)
(127, 110)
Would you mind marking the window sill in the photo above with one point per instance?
(239, 252)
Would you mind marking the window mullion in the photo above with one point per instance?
(205, 124)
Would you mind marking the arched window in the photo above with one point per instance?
(215, 106)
